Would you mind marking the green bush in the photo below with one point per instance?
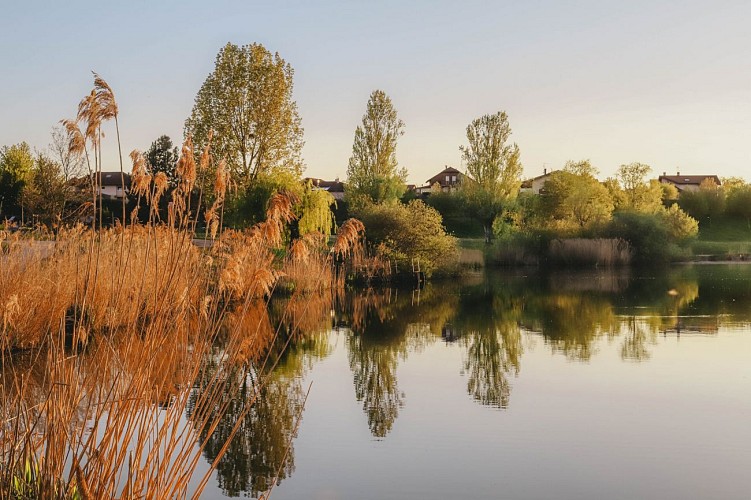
(456, 219)
(648, 234)
(410, 233)
(681, 226)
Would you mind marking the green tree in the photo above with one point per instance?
(582, 168)
(739, 203)
(576, 201)
(616, 192)
(669, 193)
(681, 226)
(247, 103)
(732, 183)
(454, 211)
(249, 206)
(16, 167)
(373, 173)
(493, 168)
(162, 156)
(46, 193)
(706, 203)
(407, 233)
(313, 207)
(316, 214)
(640, 195)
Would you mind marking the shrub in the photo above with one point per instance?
(456, 219)
(410, 234)
(680, 225)
(648, 235)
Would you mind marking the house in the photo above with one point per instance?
(448, 179)
(687, 182)
(335, 187)
(110, 184)
(536, 184)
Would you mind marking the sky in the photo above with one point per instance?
(666, 83)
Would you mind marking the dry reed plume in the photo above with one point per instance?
(105, 333)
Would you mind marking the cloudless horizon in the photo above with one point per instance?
(663, 83)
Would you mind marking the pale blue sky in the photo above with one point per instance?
(663, 83)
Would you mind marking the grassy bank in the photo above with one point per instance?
(724, 228)
(721, 250)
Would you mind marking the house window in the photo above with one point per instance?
(448, 179)
(453, 178)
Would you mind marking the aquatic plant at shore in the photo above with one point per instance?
(105, 334)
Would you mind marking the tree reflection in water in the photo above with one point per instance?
(487, 322)
(262, 454)
(386, 326)
(261, 451)
(374, 372)
(489, 319)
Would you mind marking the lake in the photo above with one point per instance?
(512, 384)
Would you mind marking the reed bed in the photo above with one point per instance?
(105, 334)
(603, 252)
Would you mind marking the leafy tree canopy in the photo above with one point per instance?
(640, 194)
(247, 103)
(493, 168)
(373, 173)
(46, 192)
(407, 232)
(16, 168)
(312, 207)
(576, 201)
(739, 202)
(582, 168)
(162, 156)
(705, 203)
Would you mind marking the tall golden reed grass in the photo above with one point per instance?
(106, 333)
(602, 252)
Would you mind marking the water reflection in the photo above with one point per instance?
(261, 451)
(385, 327)
(261, 454)
(490, 318)
(487, 326)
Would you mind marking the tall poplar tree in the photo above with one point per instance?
(373, 173)
(493, 168)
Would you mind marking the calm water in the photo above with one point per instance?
(513, 385)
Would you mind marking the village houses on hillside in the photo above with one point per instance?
(449, 180)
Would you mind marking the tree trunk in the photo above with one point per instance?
(488, 229)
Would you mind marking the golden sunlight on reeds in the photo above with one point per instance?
(106, 333)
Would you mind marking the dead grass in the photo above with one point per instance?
(599, 252)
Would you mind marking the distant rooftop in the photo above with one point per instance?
(688, 179)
